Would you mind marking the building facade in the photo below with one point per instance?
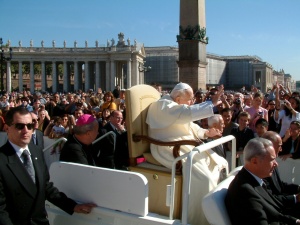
(129, 64)
(83, 68)
(232, 71)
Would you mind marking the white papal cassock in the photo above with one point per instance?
(169, 121)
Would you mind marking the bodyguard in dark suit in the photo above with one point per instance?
(37, 137)
(24, 178)
(274, 182)
(104, 150)
(248, 201)
(121, 154)
(279, 187)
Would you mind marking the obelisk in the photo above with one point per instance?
(192, 43)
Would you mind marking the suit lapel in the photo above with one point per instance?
(36, 160)
(260, 190)
(268, 197)
(19, 171)
(31, 140)
(275, 179)
(113, 129)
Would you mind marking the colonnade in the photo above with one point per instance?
(85, 69)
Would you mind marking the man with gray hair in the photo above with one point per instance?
(78, 148)
(248, 200)
(274, 182)
(216, 121)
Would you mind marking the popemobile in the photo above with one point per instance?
(147, 194)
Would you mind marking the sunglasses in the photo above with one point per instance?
(35, 120)
(20, 126)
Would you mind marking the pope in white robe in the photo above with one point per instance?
(171, 119)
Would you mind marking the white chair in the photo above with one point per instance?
(235, 171)
(213, 204)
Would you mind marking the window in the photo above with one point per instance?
(257, 76)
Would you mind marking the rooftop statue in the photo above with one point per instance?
(128, 42)
(112, 42)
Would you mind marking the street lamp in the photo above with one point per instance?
(4, 59)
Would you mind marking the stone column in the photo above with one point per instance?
(66, 78)
(32, 88)
(192, 45)
(112, 75)
(44, 76)
(135, 73)
(128, 73)
(141, 74)
(80, 77)
(20, 76)
(121, 82)
(54, 77)
(8, 76)
(107, 76)
(76, 77)
(86, 76)
(97, 76)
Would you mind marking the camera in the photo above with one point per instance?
(237, 101)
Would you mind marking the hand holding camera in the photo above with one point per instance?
(287, 104)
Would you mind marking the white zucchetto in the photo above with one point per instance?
(181, 86)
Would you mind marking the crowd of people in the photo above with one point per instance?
(245, 113)
(82, 117)
(266, 126)
(57, 116)
(249, 114)
(26, 118)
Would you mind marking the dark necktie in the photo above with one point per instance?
(264, 186)
(28, 164)
(275, 200)
(34, 138)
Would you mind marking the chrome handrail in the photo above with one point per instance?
(103, 136)
(62, 139)
(188, 164)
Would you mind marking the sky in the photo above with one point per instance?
(266, 28)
